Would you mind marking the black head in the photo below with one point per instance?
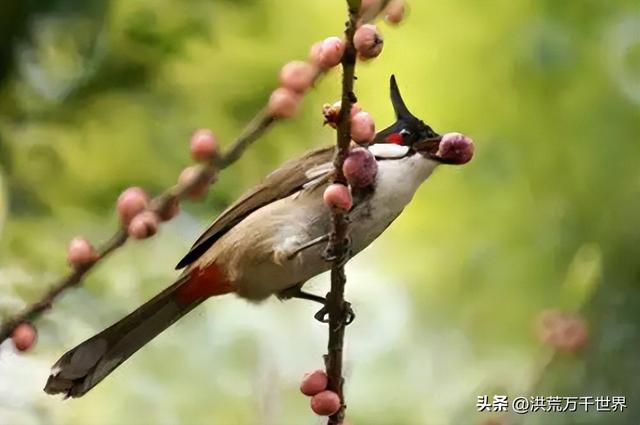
(407, 130)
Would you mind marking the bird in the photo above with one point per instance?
(271, 241)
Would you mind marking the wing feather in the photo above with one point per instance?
(284, 181)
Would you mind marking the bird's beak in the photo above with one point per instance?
(452, 148)
(428, 147)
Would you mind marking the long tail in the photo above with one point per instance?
(83, 367)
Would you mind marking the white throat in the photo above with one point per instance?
(399, 179)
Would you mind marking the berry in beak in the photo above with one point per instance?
(409, 131)
(451, 148)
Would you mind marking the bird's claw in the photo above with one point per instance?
(322, 315)
(349, 316)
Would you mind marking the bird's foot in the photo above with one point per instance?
(349, 316)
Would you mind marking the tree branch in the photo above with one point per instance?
(205, 172)
(338, 241)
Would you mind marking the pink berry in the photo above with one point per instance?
(394, 12)
(131, 202)
(338, 196)
(456, 148)
(314, 383)
(563, 331)
(329, 53)
(368, 41)
(325, 403)
(187, 177)
(24, 336)
(297, 76)
(144, 225)
(283, 103)
(80, 253)
(315, 54)
(360, 168)
(363, 128)
(204, 145)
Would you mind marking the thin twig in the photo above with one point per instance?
(205, 172)
(338, 240)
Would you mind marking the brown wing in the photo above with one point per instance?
(279, 184)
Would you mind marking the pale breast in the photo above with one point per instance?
(255, 253)
(396, 184)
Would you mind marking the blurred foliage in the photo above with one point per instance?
(96, 96)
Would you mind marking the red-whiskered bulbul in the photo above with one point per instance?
(270, 242)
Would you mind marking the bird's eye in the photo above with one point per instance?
(406, 135)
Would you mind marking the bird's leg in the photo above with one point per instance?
(311, 243)
(296, 291)
(322, 314)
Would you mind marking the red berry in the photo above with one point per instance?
(187, 177)
(131, 202)
(144, 225)
(360, 168)
(325, 403)
(368, 41)
(24, 336)
(338, 196)
(314, 382)
(363, 128)
(80, 252)
(283, 103)
(456, 148)
(204, 145)
(297, 76)
(394, 12)
(329, 53)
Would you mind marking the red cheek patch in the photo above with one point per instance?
(203, 283)
(395, 138)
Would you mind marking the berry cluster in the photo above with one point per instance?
(296, 77)
(142, 222)
(323, 402)
(360, 167)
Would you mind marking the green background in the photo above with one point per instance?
(96, 96)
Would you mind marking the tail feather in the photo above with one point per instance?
(83, 367)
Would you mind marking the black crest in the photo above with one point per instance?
(407, 129)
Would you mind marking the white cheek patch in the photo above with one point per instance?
(388, 150)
